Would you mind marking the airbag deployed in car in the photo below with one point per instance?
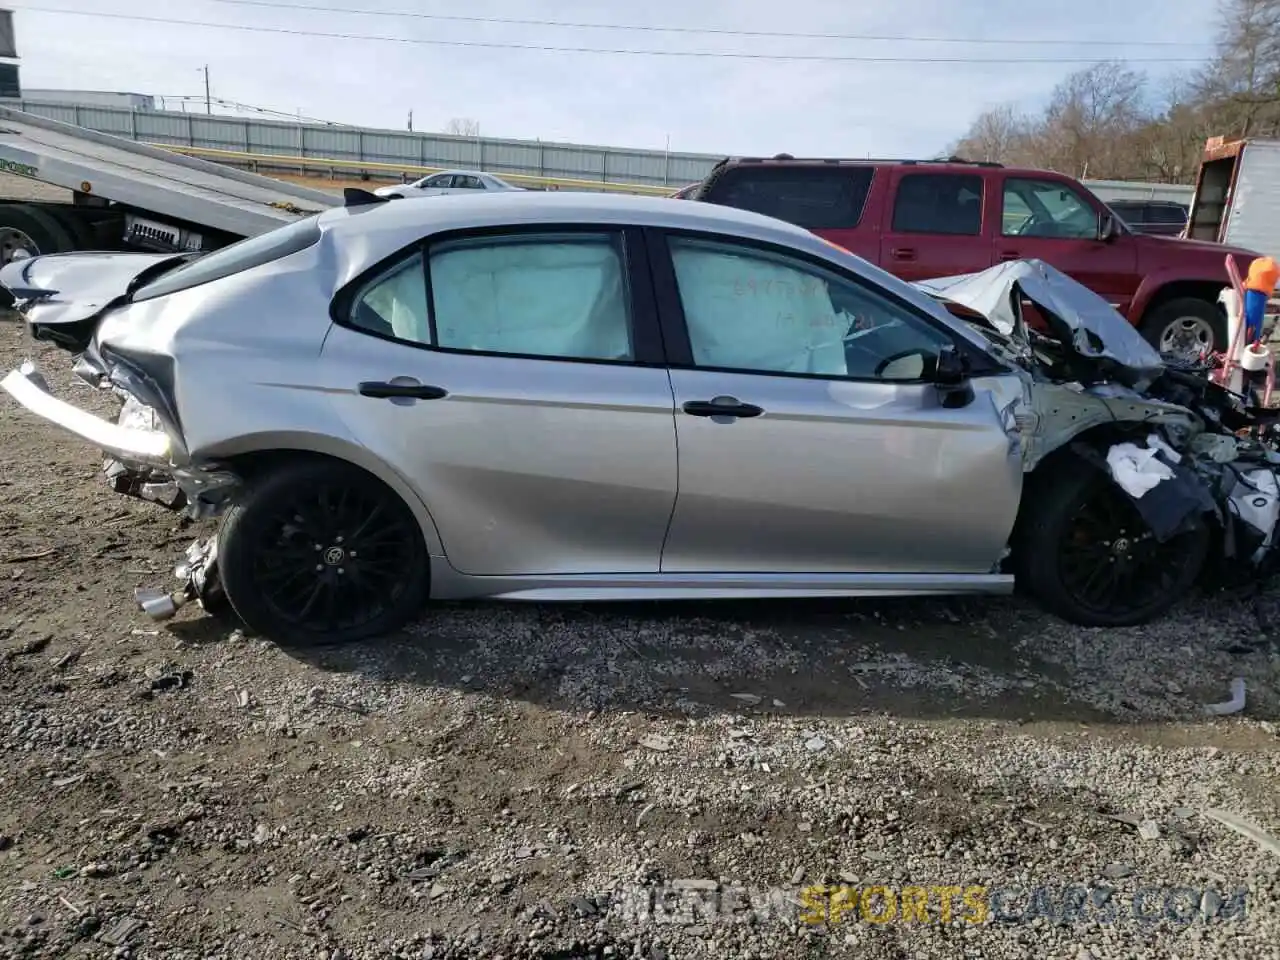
(754, 315)
(548, 299)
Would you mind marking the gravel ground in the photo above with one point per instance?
(529, 781)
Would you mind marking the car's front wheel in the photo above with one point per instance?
(319, 551)
(1087, 555)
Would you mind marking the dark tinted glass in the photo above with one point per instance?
(948, 203)
(815, 198)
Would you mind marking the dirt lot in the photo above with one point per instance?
(521, 780)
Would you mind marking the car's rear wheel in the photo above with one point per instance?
(321, 552)
(1087, 555)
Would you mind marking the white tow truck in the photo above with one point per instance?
(132, 196)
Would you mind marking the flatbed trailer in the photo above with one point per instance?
(132, 196)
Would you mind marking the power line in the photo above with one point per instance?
(493, 45)
(712, 31)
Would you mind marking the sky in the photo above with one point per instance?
(702, 104)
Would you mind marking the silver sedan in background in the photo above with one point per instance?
(447, 182)
(586, 397)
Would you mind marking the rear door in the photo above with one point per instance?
(934, 226)
(829, 199)
(811, 438)
(515, 378)
(1048, 219)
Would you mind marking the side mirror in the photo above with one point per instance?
(951, 377)
(1106, 227)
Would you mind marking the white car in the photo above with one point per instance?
(448, 181)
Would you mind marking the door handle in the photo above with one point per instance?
(903, 253)
(721, 407)
(1010, 255)
(406, 389)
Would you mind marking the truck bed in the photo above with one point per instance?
(149, 178)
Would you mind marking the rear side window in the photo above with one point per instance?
(815, 198)
(947, 203)
(253, 252)
(1168, 213)
(1130, 212)
(552, 296)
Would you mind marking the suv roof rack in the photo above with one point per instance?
(834, 160)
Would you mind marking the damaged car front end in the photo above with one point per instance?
(1179, 448)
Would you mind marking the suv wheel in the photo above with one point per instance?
(1087, 555)
(321, 552)
(1186, 327)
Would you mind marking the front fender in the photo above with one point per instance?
(1153, 283)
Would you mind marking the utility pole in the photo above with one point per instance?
(208, 100)
(411, 121)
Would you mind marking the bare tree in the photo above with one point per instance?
(999, 134)
(1090, 113)
(463, 127)
(1243, 81)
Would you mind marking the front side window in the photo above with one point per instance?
(945, 203)
(757, 311)
(1047, 209)
(541, 295)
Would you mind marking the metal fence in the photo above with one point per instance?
(533, 157)
(374, 146)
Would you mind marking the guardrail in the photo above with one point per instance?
(331, 166)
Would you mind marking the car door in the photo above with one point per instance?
(811, 437)
(436, 184)
(514, 377)
(935, 225)
(1052, 220)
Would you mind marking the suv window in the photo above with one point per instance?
(1167, 213)
(243, 255)
(1048, 209)
(815, 198)
(542, 295)
(948, 203)
(1129, 212)
(762, 312)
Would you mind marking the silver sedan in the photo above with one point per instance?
(447, 182)
(585, 397)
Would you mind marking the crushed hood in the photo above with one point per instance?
(1080, 320)
(62, 296)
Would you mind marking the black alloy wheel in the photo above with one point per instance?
(322, 552)
(1084, 551)
(1111, 563)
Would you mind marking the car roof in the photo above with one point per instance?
(946, 165)
(403, 220)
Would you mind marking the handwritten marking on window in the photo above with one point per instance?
(789, 289)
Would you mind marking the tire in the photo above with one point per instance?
(81, 233)
(1059, 506)
(1185, 310)
(43, 231)
(294, 535)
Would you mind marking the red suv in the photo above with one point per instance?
(925, 219)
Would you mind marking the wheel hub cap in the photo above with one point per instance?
(334, 555)
(1187, 337)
